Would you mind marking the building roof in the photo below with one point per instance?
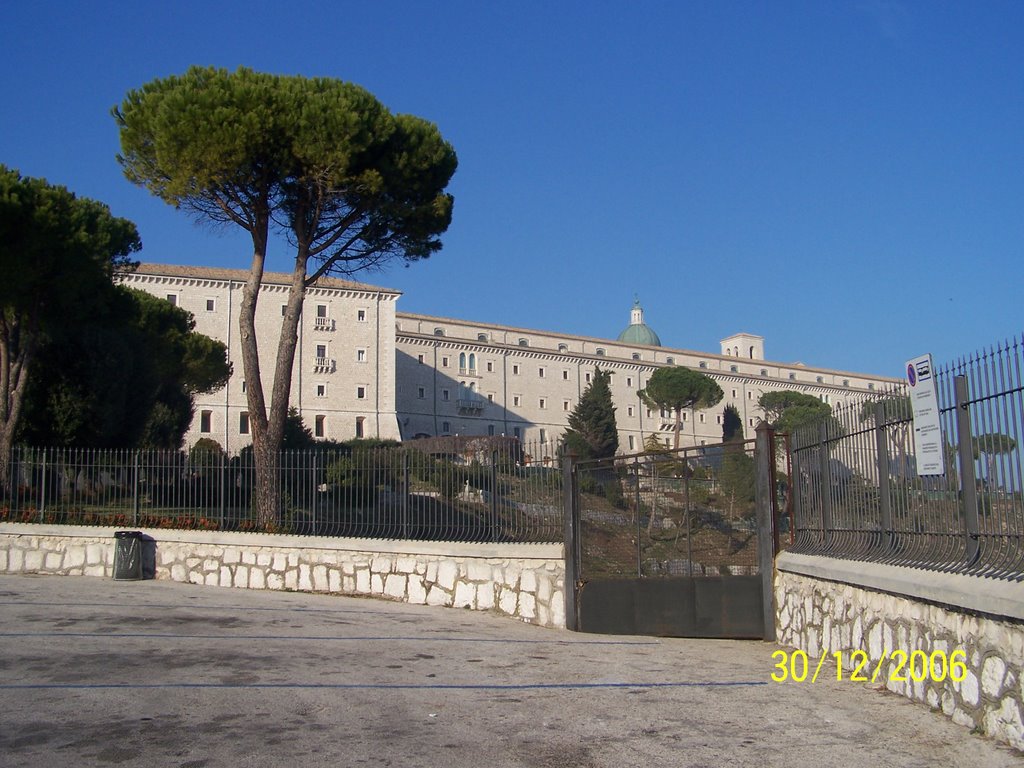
(241, 275)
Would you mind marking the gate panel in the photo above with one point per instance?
(667, 544)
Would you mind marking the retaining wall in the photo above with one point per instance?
(523, 581)
(824, 605)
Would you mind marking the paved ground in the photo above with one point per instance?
(97, 672)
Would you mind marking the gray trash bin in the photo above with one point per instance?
(128, 555)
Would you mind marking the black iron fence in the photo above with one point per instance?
(857, 493)
(495, 492)
(689, 512)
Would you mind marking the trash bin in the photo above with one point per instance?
(127, 555)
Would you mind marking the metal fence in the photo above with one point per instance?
(495, 494)
(688, 512)
(857, 493)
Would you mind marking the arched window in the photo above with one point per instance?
(481, 337)
(563, 348)
(703, 364)
(600, 351)
(462, 362)
(670, 360)
(524, 343)
(751, 353)
(734, 368)
(736, 351)
(439, 331)
(472, 362)
(636, 355)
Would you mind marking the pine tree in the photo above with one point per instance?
(592, 433)
(732, 424)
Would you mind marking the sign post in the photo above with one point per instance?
(924, 401)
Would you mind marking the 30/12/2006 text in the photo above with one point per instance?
(904, 666)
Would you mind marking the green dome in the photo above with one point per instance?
(638, 332)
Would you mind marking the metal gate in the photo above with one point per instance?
(672, 543)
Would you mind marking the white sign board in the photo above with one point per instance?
(924, 400)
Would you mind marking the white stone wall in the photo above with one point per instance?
(522, 581)
(821, 617)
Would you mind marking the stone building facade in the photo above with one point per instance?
(343, 381)
(364, 369)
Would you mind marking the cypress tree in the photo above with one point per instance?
(592, 433)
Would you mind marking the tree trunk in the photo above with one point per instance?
(17, 344)
(675, 438)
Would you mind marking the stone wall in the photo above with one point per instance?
(826, 605)
(523, 581)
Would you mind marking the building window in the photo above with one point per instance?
(321, 390)
(361, 393)
(439, 331)
(421, 392)
(543, 436)
(490, 430)
(764, 371)
(172, 299)
(734, 369)
(284, 310)
(565, 375)
(629, 410)
(515, 432)
(490, 367)
(600, 351)
(666, 415)
(515, 370)
(632, 445)
(321, 350)
(629, 381)
(734, 394)
(360, 355)
(846, 382)
(462, 363)
(211, 305)
(361, 315)
(360, 426)
(792, 376)
(718, 419)
(750, 395)
(566, 405)
(490, 397)
(517, 400)
(321, 311)
(702, 364)
(445, 395)
(670, 360)
(871, 386)
(588, 378)
(481, 337)
(243, 423)
(419, 359)
(446, 427)
(540, 372)
(318, 426)
(751, 422)
(563, 348)
(472, 363)
(820, 379)
(524, 343)
(244, 388)
(444, 362)
(702, 418)
(636, 355)
(205, 419)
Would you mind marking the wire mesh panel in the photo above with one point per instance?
(689, 512)
(857, 493)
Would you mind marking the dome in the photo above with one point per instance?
(638, 332)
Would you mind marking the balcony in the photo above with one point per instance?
(470, 404)
(323, 365)
(323, 324)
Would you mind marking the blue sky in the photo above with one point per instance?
(843, 178)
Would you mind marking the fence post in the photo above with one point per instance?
(135, 487)
(312, 496)
(636, 496)
(764, 501)
(494, 496)
(882, 452)
(824, 482)
(42, 495)
(571, 532)
(405, 494)
(223, 489)
(968, 482)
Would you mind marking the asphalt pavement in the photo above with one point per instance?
(95, 672)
